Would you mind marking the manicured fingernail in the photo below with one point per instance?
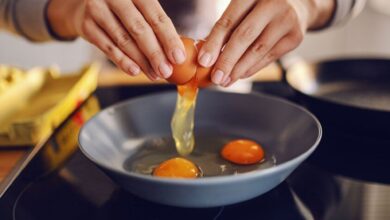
(179, 56)
(226, 81)
(165, 70)
(217, 77)
(134, 70)
(130, 67)
(205, 59)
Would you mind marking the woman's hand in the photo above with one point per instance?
(254, 33)
(135, 34)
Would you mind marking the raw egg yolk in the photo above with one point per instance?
(243, 152)
(177, 168)
(183, 73)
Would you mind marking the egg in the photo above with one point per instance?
(183, 73)
(203, 74)
(243, 152)
(177, 168)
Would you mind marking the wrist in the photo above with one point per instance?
(321, 13)
(60, 18)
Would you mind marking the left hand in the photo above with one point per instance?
(254, 33)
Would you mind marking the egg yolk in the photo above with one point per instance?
(177, 168)
(243, 152)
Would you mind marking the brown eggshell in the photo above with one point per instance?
(182, 73)
(203, 75)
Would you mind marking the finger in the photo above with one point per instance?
(226, 82)
(143, 34)
(267, 40)
(245, 34)
(285, 45)
(163, 28)
(220, 33)
(97, 37)
(111, 26)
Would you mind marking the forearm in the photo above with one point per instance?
(25, 17)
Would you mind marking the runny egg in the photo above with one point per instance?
(177, 168)
(243, 152)
(185, 72)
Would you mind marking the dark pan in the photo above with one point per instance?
(351, 95)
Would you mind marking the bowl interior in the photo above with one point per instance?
(285, 130)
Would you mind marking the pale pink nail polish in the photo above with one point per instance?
(217, 77)
(134, 70)
(226, 81)
(179, 56)
(205, 59)
(165, 69)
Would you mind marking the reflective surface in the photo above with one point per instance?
(346, 178)
(206, 156)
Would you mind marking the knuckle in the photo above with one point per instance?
(90, 4)
(246, 33)
(260, 47)
(121, 61)
(137, 28)
(159, 20)
(86, 28)
(172, 40)
(110, 51)
(156, 55)
(296, 37)
(210, 45)
(225, 23)
(225, 63)
(273, 55)
(121, 38)
(290, 13)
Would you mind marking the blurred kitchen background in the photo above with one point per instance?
(367, 35)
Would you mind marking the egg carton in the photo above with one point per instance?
(35, 102)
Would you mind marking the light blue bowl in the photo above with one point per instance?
(287, 132)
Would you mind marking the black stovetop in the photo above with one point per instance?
(346, 178)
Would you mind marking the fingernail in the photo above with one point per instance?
(205, 59)
(155, 76)
(179, 56)
(134, 70)
(165, 70)
(217, 77)
(226, 81)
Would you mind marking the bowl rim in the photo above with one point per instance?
(214, 179)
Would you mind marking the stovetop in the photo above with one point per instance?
(346, 178)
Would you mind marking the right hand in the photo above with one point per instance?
(136, 35)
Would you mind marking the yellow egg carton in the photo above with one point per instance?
(35, 102)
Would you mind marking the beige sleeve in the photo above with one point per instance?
(26, 18)
(346, 10)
